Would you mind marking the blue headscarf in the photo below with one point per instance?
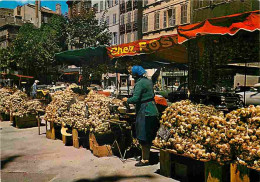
(138, 70)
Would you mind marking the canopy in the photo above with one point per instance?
(164, 47)
(80, 56)
(249, 21)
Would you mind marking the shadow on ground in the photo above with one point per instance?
(113, 178)
(7, 160)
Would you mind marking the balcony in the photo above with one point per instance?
(122, 8)
(135, 26)
(129, 6)
(122, 29)
(135, 4)
(128, 27)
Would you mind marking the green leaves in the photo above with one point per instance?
(84, 31)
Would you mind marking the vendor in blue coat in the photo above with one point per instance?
(146, 112)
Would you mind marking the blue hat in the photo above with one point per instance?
(138, 70)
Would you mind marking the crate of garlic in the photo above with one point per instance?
(5, 94)
(92, 114)
(203, 133)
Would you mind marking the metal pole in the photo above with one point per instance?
(245, 82)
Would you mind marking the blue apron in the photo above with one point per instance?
(146, 126)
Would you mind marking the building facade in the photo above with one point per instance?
(130, 20)
(12, 19)
(9, 27)
(162, 17)
(35, 14)
(75, 7)
(108, 10)
(202, 9)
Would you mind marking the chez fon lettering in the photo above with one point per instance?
(144, 46)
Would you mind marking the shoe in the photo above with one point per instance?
(140, 164)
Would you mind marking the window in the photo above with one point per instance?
(135, 35)
(129, 17)
(116, 2)
(164, 19)
(95, 7)
(200, 3)
(128, 37)
(114, 38)
(184, 14)
(156, 20)
(108, 3)
(171, 17)
(145, 23)
(122, 19)
(114, 19)
(145, 2)
(107, 20)
(101, 6)
(135, 16)
(122, 38)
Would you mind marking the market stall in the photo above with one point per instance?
(191, 132)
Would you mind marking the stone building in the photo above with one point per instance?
(9, 27)
(12, 19)
(163, 17)
(130, 20)
(75, 7)
(35, 14)
(108, 10)
(202, 9)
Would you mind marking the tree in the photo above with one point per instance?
(84, 30)
(34, 49)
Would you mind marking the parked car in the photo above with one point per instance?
(252, 96)
(217, 97)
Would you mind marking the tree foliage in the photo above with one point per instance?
(84, 31)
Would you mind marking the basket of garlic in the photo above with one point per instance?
(5, 94)
(202, 133)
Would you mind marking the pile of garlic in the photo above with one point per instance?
(203, 133)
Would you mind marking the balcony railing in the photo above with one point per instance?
(122, 29)
(129, 6)
(122, 8)
(128, 27)
(135, 26)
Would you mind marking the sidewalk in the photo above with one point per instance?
(27, 156)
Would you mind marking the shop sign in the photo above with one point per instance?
(142, 46)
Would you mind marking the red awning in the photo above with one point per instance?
(249, 21)
(23, 76)
(166, 47)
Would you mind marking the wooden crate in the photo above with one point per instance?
(66, 137)
(75, 138)
(216, 172)
(50, 134)
(25, 121)
(54, 131)
(186, 169)
(180, 167)
(240, 173)
(83, 139)
(97, 149)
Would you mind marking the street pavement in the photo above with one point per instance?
(27, 156)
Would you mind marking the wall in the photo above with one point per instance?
(152, 7)
(221, 8)
(109, 12)
(6, 12)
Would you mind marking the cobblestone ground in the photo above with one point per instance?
(27, 156)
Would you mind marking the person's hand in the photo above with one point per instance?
(124, 99)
